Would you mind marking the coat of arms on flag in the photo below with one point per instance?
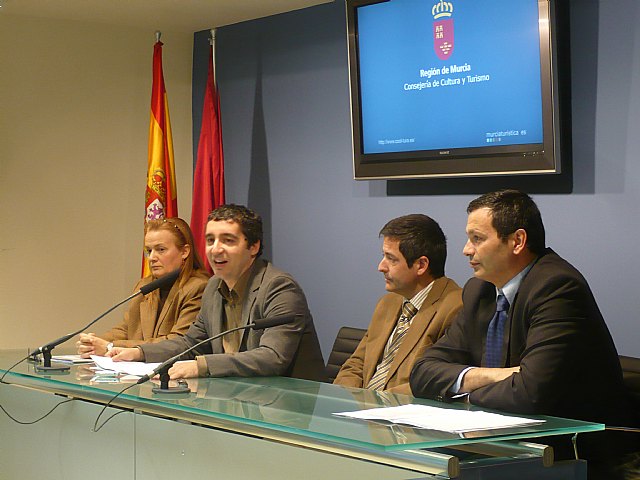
(443, 29)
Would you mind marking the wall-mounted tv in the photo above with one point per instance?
(457, 88)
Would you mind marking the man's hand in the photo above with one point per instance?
(185, 369)
(479, 377)
(120, 354)
(89, 345)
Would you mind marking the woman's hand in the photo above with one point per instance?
(89, 345)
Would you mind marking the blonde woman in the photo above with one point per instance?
(166, 312)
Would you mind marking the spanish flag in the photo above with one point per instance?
(161, 198)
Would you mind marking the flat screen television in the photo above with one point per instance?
(459, 88)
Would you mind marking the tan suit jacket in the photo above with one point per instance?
(144, 324)
(436, 313)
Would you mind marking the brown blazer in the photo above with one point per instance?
(438, 310)
(143, 324)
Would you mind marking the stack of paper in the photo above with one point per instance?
(443, 419)
(130, 368)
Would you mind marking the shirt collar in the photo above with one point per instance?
(239, 289)
(418, 299)
(510, 288)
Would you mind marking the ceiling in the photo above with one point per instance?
(175, 15)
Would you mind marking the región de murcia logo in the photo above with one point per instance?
(443, 29)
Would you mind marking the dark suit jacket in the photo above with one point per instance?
(555, 332)
(435, 315)
(291, 349)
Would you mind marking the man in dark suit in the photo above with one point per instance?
(545, 350)
(414, 251)
(245, 288)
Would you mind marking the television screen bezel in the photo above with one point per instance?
(466, 162)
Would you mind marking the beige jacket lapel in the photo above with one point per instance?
(169, 306)
(419, 325)
(148, 314)
(377, 343)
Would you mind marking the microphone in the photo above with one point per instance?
(258, 324)
(161, 282)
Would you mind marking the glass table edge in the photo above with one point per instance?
(135, 402)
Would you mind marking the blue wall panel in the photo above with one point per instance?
(285, 108)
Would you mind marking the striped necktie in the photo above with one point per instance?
(404, 322)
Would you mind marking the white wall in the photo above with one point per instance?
(74, 120)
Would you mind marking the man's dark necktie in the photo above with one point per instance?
(495, 334)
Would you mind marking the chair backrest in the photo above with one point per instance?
(345, 344)
(631, 375)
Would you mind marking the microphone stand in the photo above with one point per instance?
(45, 350)
(164, 387)
(163, 368)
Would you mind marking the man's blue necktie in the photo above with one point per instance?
(495, 334)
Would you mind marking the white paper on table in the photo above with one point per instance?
(443, 419)
(130, 368)
(75, 359)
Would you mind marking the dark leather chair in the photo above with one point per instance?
(345, 344)
(626, 438)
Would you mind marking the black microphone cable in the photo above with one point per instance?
(97, 428)
(31, 422)
(11, 368)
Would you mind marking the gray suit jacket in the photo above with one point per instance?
(291, 349)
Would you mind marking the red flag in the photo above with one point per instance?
(161, 198)
(208, 180)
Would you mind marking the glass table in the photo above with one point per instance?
(275, 411)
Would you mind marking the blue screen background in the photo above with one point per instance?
(498, 38)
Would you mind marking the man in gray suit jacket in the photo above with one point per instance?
(245, 288)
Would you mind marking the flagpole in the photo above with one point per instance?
(219, 168)
(212, 42)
